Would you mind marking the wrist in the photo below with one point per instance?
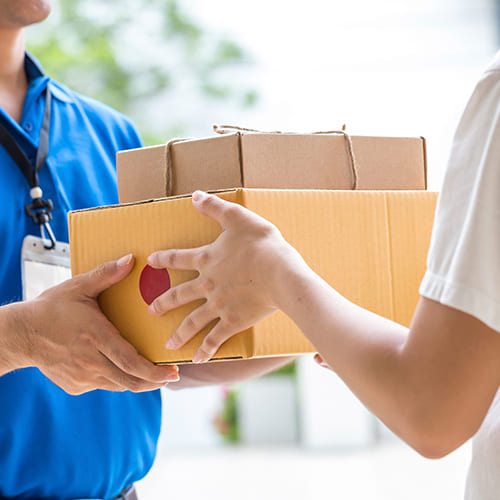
(15, 336)
(289, 275)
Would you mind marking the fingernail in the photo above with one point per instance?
(173, 374)
(124, 261)
(198, 195)
(171, 344)
(151, 259)
(152, 309)
(198, 358)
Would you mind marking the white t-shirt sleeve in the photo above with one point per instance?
(463, 264)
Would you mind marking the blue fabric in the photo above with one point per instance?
(53, 445)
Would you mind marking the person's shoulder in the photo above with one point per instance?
(485, 98)
(100, 116)
(494, 64)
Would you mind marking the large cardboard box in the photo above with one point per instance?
(370, 245)
(271, 161)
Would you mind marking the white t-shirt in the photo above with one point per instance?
(463, 265)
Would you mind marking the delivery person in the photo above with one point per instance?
(433, 384)
(80, 415)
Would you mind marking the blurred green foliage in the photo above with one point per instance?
(289, 370)
(128, 52)
(226, 422)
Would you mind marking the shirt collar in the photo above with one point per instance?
(35, 70)
(32, 67)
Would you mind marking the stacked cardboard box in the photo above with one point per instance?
(370, 244)
(271, 161)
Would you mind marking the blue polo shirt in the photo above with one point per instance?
(53, 445)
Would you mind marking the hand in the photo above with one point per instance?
(238, 276)
(321, 362)
(68, 338)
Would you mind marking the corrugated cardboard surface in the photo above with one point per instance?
(321, 162)
(272, 161)
(147, 165)
(370, 245)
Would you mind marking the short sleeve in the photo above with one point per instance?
(463, 264)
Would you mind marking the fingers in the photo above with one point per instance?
(107, 274)
(223, 212)
(124, 356)
(190, 326)
(114, 379)
(210, 345)
(318, 358)
(180, 295)
(79, 388)
(182, 260)
(108, 385)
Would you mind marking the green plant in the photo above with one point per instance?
(226, 421)
(289, 370)
(131, 54)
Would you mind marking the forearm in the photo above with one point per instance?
(419, 397)
(226, 372)
(361, 347)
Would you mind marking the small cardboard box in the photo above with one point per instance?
(370, 245)
(271, 161)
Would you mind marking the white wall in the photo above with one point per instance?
(392, 67)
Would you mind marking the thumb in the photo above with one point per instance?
(222, 211)
(107, 274)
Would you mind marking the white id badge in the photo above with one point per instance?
(42, 268)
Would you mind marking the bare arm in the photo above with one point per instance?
(431, 384)
(226, 372)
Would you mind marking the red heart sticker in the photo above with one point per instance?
(153, 282)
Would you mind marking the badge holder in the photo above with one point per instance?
(44, 262)
(42, 268)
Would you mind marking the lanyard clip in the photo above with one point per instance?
(46, 227)
(40, 211)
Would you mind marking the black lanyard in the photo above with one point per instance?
(39, 210)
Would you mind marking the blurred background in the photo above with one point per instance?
(393, 67)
